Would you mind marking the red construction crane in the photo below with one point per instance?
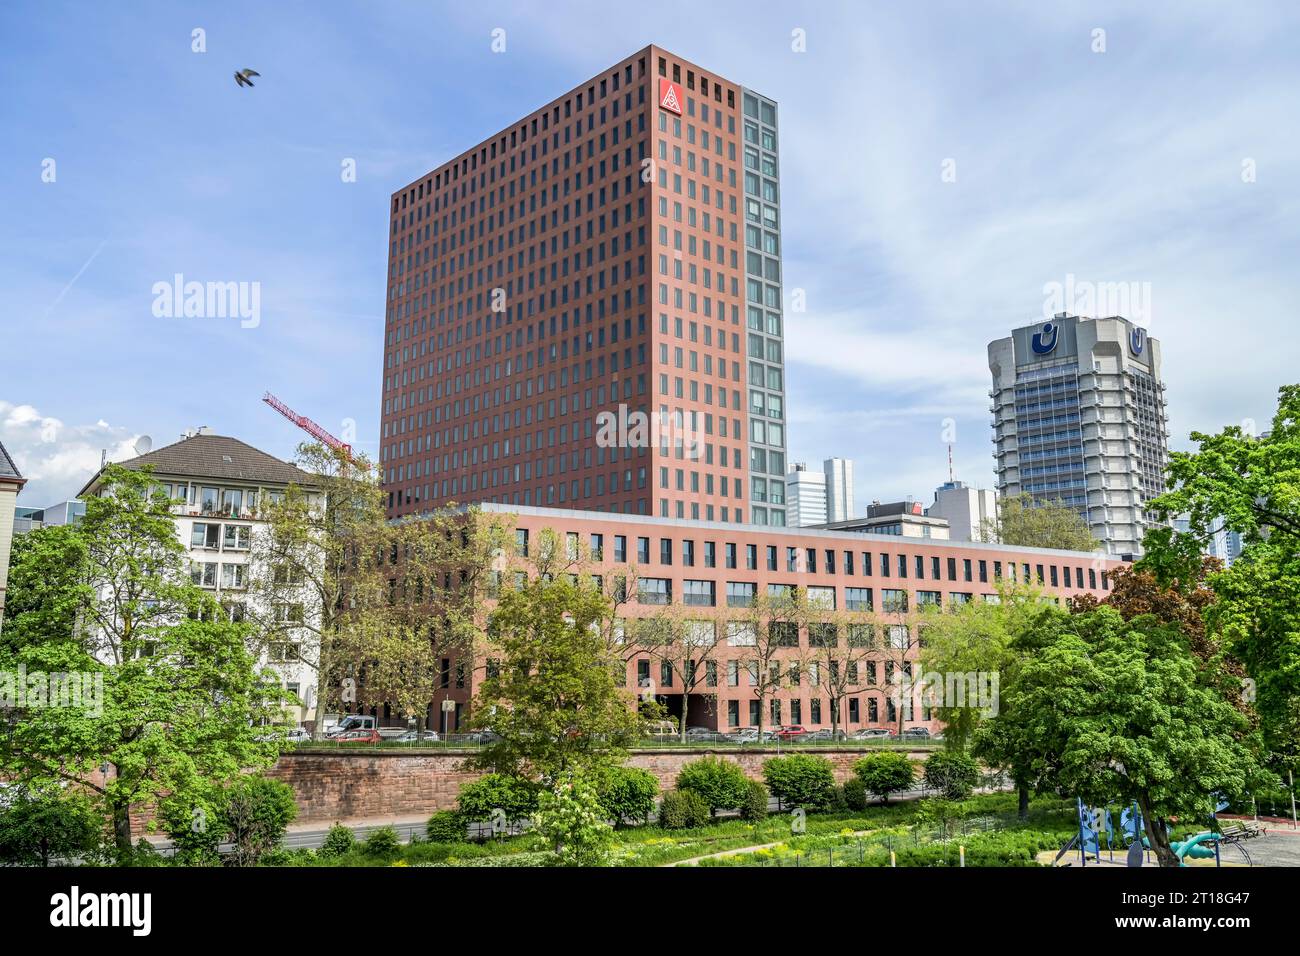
(309, 426)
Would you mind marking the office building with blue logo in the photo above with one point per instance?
(1078, 411)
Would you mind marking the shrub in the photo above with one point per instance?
(194, 827)
(514, 796)
(339, 841)
(755, 805)
(683, 809)
(951, 773)
(721, 783)
(256, 813)
(445, 826)
(627, 793)
(855, 794)
(383, 842)
(801, 780)
(38, 827)
(885, 773)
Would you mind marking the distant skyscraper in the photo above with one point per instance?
(1079, 416)
(839, 488)
(805, 496)
(965, 508)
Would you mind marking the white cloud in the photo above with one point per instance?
(56, 458)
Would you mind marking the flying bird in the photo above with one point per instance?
(242, 77)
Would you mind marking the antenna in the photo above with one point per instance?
(950, 478)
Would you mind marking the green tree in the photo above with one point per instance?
(967, 648)
(571, 818)
(181, 691)
(256, 813)
(1025, 522)
(885, 772)
(1237, 481)
(318, 573)
(550, 693)
(1118, 711)
(51, 824)
(952, 773)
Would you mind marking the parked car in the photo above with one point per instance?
(825, 734)
(294, 735)
(922, 733)
(416, 736)
(702, 733)
(743, 735)
(477, 737)
(873, 733)
(791, 732)
(353, 722)
(361, 736)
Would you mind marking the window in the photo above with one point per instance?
(893, 601)
(521, 542)
(929, 598)
(205, 535)
(899, 637)
(857, 599)
(740, 593)
(862, 635)
(236, 537)
(232, 575)
(287, 613)
(741, 634)
(654, 590)
(643, 550)
(597, 547)
(823, 635)
(822, 598)
(232, 502)
(287, 574)
(204, 573)
(620, 548)
(783, 633)
(698, 593)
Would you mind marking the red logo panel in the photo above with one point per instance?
(670, 96)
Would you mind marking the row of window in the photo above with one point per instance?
(831, 561)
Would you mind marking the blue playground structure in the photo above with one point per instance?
(1131, 837)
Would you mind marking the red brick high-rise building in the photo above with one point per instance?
(585, 310)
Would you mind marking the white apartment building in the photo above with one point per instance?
(839, 488)
(965, 509)
(805, 497)
(1079, 415)
(218, 484)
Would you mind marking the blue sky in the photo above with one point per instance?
(1117, 166)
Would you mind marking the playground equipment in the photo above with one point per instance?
(1132, 835)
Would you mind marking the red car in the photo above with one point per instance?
(791, 732)
(358, 737)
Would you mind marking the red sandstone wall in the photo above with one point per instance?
(332, 786)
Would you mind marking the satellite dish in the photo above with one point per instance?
(143, 444)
